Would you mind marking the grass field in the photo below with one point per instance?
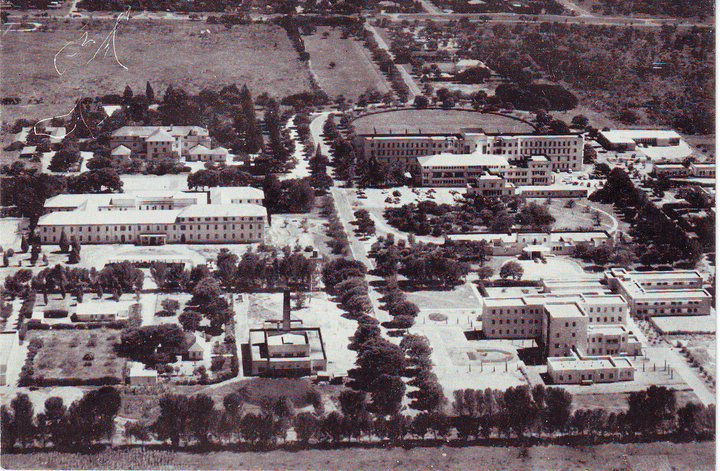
(62, 354)
(353, 73)
(646, 457)
(162, 52)
(437, 121)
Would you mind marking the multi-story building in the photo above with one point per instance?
(575, 369)
(195, 224)
(580, 327)
(151, 200)
(281, 349)
(661, 293)
(160, 141)
(564, 152)
(222, 215)
(460, 169)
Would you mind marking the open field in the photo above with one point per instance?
(460, 297)
(353, 73)
(163, 53)
(437, 121)
(642, 457)
(556, 267)
(62, 354)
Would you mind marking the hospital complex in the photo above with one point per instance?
(581, 326)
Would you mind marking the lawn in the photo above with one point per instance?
(62, 354)
(437, 121)
(162, 52)
(664, 455)
(353, 73)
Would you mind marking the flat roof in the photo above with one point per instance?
(109, 218)
(563, 310)
(287, 338)
(217, 210)
(97, 307)
(224, 194)
(138, 370)
(447, 159)
(632, 134)
(146, 131)
(573, 363)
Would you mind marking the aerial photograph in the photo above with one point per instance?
(467, 235)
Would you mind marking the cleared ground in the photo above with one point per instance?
(63, 354)
(698, 324)
(556, 267)
(645, 457)
(162, 52)
(437, 121)
(353, 71)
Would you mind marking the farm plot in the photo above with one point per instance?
(77, 354)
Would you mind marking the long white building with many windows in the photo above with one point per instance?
(222, 215)
(563, 151)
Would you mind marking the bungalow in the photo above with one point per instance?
(139, 374)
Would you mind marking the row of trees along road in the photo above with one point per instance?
(519, 412)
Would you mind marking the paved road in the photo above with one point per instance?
(515, 18)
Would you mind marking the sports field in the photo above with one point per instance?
(438, 121)
(57, 69)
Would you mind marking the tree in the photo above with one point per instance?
(580, 121)
(137, 431)
(92, 417)
(306, 426)
(149, 92)
(651, 410)
(24, 244)
(512, 270)
(387, 393)
(23, 426)
(557, 409)
(421, 101)
(519, 409)
(353, 403)
(55, 420)
(173, 419)
(190, 320)
(201, 417)
(485, 273)
(64, 243)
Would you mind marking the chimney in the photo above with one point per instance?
(286, 310)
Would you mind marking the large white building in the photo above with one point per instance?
(661, 293)
(515, 243)
(160, 141)
(222, 215)
(589, 329)
(564, 152)
(448, 169)
(629, 139)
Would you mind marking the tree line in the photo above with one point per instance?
(519, 413)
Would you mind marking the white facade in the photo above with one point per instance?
(564, 152)
(567, 327)
(241, 223)
(661, 293)
(160, 141)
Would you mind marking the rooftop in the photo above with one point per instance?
(8, 341)
(446, 159)
(564, 310)
(623, 135)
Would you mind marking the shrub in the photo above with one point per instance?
(55, 313)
